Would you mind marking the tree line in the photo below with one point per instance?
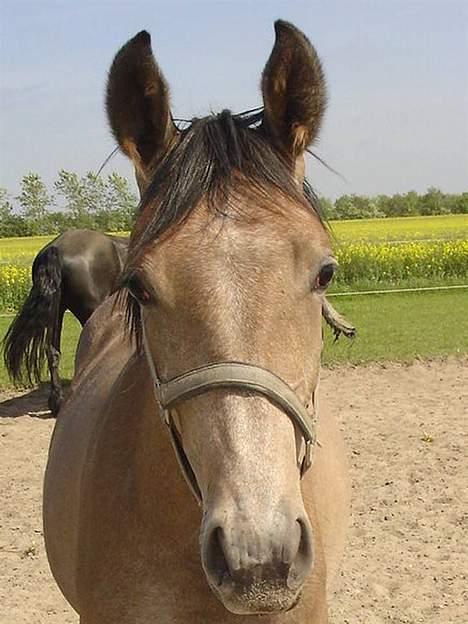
(109, 204)
(90, 201)
(433, 202)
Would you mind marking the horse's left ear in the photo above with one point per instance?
(294, 91)
(138, 108)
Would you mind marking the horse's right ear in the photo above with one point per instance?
(137, 102)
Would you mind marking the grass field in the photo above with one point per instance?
(398, 327)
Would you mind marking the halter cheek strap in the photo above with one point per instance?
(236, 375)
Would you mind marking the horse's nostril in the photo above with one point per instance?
(240, 560)
(291, 544)
(302, 562)
(214, 562)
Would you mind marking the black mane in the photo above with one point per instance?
(202, 164)
(205, 163)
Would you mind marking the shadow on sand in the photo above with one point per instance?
(26, 402)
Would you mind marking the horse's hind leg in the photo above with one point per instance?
(53, 360)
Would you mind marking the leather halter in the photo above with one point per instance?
(230, 375)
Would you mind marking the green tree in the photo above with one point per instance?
(410, 203)
(344, 208)
(357, 207)
(432, 202)
(389, 205)
(35, 201)
(328, 208)
(460, 204)
(6, 207)
(121, 203)
(11, 224)
(83, 197)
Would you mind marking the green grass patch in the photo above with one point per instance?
(400, 327)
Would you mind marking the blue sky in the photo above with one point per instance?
(397, 72)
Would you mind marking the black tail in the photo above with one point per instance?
(30, 333)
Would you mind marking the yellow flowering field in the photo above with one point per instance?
(15, 282)
(440, 227)
(362, 265)
(435, 227)
(403, 264)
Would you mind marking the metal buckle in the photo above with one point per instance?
(307, 461)
(165, 415)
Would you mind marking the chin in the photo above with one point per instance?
(260, 598)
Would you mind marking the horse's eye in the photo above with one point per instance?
(137, 289)
(325, 276)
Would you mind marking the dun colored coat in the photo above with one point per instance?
(228, 262)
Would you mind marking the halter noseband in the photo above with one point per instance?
(230, 375)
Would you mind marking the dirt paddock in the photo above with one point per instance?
(406, 559)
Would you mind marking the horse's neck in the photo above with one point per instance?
(142, 441)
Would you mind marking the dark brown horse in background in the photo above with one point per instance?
(76, 271)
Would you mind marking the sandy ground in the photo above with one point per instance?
(406, 559)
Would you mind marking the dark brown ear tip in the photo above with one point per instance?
(283, 24)
(142, 38)
(282, 27)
